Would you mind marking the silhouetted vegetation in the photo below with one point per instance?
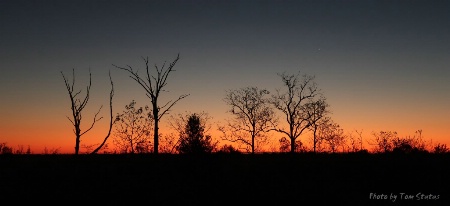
(252, 114)
(316, 111)
(330, 136)
(389, 141)
(226, 148)
(299, 92)
(5, 149)
(154, 86)
(133, 129)
(440, 149)
(302, 105)
(193, 140)
(77, 106)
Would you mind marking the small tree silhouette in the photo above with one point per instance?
(285, 145)
(133, 129)
(440, 149)
(226, 148)
(414, 144)
(355, 141)
(193, 140)
(389, 141)
(5, 149)
(383, 141)
(332, 135)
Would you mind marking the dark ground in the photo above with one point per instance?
(225, 179)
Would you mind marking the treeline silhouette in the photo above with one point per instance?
(193, 141)
(191, 167)
(298, 111)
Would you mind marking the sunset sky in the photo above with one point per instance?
(382, 65)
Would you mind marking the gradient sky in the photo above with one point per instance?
(383, 65)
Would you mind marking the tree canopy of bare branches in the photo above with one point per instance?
(383, 141)
(252, 113)
(300, 91)
(332, 135)
(154, 86)
(77, 106)
(133, 129)
(317, 111)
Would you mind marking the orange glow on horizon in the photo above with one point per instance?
(62, 140)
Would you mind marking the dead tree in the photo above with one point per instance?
(292, 103)
(317, 111)
(252, 113)
(77, 106)
(153, 86)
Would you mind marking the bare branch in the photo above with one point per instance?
(93, 122)
(111, 121)
(70, 120)
(171, 105)
(252, 114)
(293, 102)
(153, 85)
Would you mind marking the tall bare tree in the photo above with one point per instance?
(153, 86)
(77, 106)
(300, 90)
(252, 113)
(317, 111)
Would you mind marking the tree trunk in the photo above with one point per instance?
(156, 121)
(292, 145)
(253, 144)
(315, 138)
(77, 144)
(155, 137)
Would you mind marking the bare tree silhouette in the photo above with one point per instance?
(440, 149)
(383, 141)
(5, 149)
(77, 106)
(332, 135)
(317, 111)
(293, 102)
(153, 86)
(252, 115)
(133, 129)
(409, 144)
(356, 142)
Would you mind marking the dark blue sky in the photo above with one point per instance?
(383, 65)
